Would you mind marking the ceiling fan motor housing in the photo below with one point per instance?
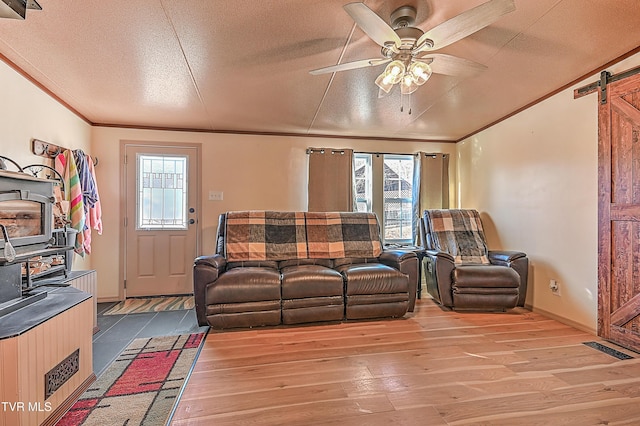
(409, 35)
(402, 21)
(404, 16)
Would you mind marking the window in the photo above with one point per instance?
(398, 211)
(385, 185)
(362, 166)
(162, 197)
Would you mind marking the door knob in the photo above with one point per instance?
(192, 221)
(192, 210)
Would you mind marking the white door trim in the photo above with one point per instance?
(123, 202)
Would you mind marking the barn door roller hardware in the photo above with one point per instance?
(605, 78)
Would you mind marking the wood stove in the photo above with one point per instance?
(26, 211)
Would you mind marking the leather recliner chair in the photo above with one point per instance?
(461, 273)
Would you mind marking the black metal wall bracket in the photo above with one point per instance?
(604, 80)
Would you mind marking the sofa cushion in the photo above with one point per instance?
(249, 284)
(485, 276)
(373, 278)
(305, 281)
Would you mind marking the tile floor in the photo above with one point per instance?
(117, 331)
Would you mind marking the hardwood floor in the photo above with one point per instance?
(433, 367)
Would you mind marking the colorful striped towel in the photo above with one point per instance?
(66, 166)
(95, 213)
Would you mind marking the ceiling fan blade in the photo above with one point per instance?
(351, 65)
(464, 24)
(373, 25)
(452, 65)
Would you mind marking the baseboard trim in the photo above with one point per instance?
(59, 412)
(562, 319)
(109, 299)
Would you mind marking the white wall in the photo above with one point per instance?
(26, 113)
(253, 171)
(534, 179)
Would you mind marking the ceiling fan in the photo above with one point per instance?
(407, 49)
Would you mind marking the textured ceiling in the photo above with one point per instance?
(243, 65)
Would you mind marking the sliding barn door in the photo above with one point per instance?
(619, 214)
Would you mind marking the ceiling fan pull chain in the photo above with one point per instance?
(402, 102)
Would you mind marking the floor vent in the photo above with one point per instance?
(607, 350)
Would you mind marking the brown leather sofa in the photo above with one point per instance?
(461, 273)
(300, 281)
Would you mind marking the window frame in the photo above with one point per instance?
(375, 183)
(399, 199)
(368, 181)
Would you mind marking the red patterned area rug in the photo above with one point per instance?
(141, 386)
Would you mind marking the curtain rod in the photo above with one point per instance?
(341, 151)
(322, 150)
(426, 154)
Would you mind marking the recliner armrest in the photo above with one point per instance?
(441, 255)
(395, 257)
(406, 262)
(438, 268)
(519, 262)
(503, 257)
(206, 269)
(216, 261)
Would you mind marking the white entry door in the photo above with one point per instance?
(161, 219)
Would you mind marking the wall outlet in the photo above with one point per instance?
(215, 195)
(555, 287)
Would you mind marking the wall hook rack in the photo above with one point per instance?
(49, 150)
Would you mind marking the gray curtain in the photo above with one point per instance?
(330, 180)
(430, 186)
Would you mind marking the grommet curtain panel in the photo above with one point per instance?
(430, 186)
(330, 180)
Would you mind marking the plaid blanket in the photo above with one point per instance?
(270, 235)
(334, 235)
(265, 235)
(459, 233)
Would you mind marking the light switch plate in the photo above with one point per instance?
(215, 195)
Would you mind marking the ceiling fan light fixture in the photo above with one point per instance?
(419, 72)
(402, 44)
(408, 85)
(384, 82)
(394, 71)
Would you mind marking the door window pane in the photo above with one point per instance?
(161, 188)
